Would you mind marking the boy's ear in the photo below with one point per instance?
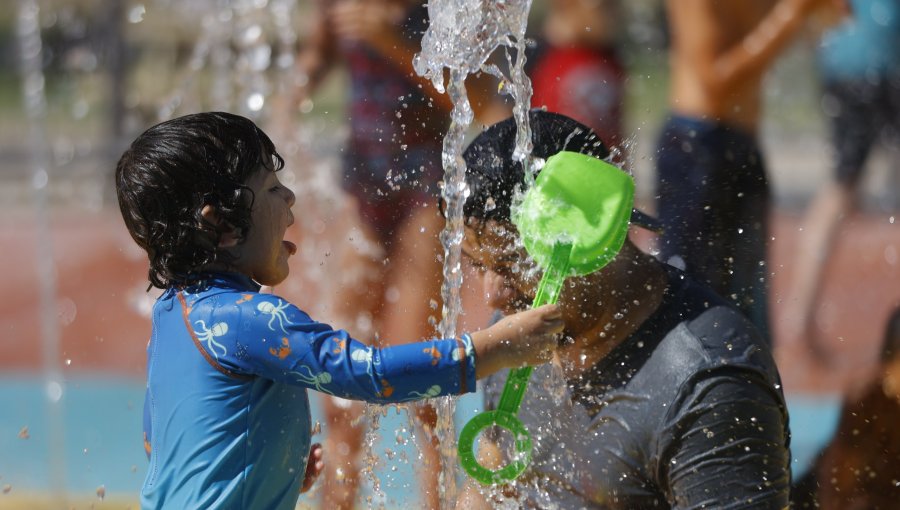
(228, 235)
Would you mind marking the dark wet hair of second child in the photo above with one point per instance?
(174, 169)
(493, 175)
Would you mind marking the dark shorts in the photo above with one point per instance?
(860, 111)
(390, 186)
(713, 200)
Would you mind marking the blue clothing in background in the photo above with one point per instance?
(859, 65)
(866, 44)
(227, 419)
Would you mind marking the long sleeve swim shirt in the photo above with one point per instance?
(226, 416)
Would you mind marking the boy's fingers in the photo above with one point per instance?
(314, 466)
(551, 311)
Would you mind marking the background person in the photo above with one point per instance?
(859, 68)
(713, 194)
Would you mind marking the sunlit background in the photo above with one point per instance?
(80, 78)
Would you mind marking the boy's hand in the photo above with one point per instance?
(314, 467)
(524, 338)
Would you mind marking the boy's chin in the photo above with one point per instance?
(271, 280)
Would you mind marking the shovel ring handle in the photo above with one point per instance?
(521, 441)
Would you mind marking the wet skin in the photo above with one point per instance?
(263, 254)
(600, 310)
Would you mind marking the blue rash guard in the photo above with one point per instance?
(226, 416)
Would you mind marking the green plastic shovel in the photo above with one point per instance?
(573, 221)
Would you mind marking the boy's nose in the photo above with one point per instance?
(292, 198)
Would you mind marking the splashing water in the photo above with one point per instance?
(461, 36)
(234, 47)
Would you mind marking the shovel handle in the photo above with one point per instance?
(505, 415)
(554, 275)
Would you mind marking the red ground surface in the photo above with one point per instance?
(101, 278)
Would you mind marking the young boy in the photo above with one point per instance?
(226, 416)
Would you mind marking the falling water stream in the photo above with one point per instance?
(461, 36)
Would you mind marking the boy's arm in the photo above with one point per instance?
(725, 444)
(266, 336)
(283, 343)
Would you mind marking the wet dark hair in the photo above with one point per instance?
(890, 346)
(172, 171)
(493, 175)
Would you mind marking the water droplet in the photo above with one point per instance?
(66, 310)
(136, 14)
(255, 101)
(23, 433)
(39, 179)
(54, 391)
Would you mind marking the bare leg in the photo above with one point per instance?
(816, 243)
(413, 295)
(343, 446)
(357, 304)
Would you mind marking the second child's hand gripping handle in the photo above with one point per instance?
(513, 392)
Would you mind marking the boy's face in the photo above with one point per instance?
(510, 275)
(264, 253)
